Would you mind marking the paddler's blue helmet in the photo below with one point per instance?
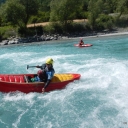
(49, 61)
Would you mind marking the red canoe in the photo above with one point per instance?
(84, 45)
(20, 82)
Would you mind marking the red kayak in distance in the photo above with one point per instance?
(84, 45)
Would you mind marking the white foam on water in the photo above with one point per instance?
(98, 99)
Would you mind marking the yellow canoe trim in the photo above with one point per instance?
(62, 77)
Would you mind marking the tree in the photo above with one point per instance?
(110, 6)
(30, 8)
(95, 8)
(44, 5)
(122, 7)
(64, 10)
(14, 12)
(18, 12)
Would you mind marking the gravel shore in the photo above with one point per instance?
(48, 38)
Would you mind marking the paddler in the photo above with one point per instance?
(46, 73)
(81, 42)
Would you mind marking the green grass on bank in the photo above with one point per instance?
(7, 31)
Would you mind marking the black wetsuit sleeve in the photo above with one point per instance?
(38, 66)
(43, 66)
(47, 83)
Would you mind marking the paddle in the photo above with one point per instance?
(30, 66)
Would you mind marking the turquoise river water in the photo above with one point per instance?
(98, 100)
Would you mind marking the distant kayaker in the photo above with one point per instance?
(46, 73)
(81, 42)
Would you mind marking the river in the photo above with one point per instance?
(97, 100)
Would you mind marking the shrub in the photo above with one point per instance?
(122, 21)
(53, 28)
(41, 17)
(7, 31)
(105, 22)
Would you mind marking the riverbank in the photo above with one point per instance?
(106, 33)
(47, 38)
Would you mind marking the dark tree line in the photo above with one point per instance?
(19, 13)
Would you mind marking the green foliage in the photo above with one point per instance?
(109, 6)
(0, 20)
(49, 29)
(122, 7)
(53, 28)
(85, 5)
(59, 28)
(122, 21)
(76, 27)
(18, 12)
(95, 8)
(105, 22)
(85, 15)
(64, 10)
(7, 31)
(33, 19)
(30, 6)
(14, 13)
(40, 17)
(44, 5)
(43, 17)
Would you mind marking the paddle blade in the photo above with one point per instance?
(27, 66)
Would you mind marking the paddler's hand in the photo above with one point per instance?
(43, 90)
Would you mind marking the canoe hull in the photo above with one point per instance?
(59, 81)
(84, 45)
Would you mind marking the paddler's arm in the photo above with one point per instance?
(42, 66)
(46, 85)
(38, 66)
(50, 76)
